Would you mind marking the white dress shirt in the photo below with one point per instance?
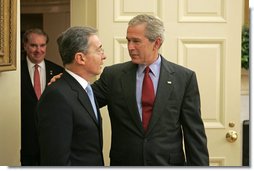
(42, 72)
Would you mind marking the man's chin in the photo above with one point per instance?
(136, 61)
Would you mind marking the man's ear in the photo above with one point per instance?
(80, 58)
(157, 43)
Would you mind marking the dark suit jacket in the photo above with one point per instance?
(176, 112)
(29, 146)
(68, 131)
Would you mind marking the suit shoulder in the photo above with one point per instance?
(178, 68)
(58, 87)
(53, 68)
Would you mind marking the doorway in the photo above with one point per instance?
(52, 16)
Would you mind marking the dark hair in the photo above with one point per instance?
(35, 31)
(73, 40)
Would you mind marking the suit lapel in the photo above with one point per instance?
(85, 101)
(165, 87)
(49, 71)
(82, 96)
(128, 83)
(26, 79)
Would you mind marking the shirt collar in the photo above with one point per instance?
(155, 67)
(31, 65)
(81, 80)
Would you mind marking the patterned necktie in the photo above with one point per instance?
(37, 82)
(147, 98)
(91, 97)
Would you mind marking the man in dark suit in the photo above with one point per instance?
(68, 121)
(35, 44)
(175, 133)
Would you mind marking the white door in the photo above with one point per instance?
(203, 35)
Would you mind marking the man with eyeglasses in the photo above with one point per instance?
(68, 118)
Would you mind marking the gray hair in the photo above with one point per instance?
(154, 26)
(73, 40)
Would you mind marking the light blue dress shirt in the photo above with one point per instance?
(86, 86)
(91, 97)
(155, 74)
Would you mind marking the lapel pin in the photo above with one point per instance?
(169, 82)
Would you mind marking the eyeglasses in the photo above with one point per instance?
(98, 51)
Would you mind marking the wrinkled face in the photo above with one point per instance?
(36, 47)
(141, 50)
(94, 56)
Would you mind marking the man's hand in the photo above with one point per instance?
(53, 79)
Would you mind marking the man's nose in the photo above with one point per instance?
(104, 56)
(130, 46)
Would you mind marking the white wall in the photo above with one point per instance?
(10, 110)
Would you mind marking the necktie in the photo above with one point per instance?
(37, 82)
(91, 97)
(147, 98)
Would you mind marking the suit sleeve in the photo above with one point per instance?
(101, 87)
(193, 128)
(54, 123)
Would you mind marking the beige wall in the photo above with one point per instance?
(10, 111)
(53, 29)
(83, 12)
